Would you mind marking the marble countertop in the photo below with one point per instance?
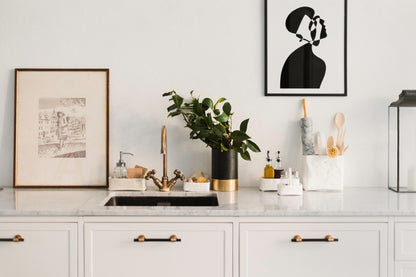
(245, 202)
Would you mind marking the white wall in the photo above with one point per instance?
(215, 47)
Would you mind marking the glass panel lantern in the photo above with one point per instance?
(402, 143)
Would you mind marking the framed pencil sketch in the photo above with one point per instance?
(61, 127)
(306, 51)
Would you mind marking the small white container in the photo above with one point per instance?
(126, 184)
(269, 184)
(196, 187)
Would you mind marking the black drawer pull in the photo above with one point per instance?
(142, 238)
(327, 238)
(16, 238)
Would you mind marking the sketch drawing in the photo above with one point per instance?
(62, 132)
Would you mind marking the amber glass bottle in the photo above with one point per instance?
(268, 169)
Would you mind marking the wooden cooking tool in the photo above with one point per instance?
(330, 142)
(305, 112)
(339, 123)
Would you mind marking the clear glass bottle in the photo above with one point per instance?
(278, 169)
(120, 171)
(268, 169)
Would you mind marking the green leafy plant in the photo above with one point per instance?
(211, 123)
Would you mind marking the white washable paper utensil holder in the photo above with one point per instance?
(321, 172)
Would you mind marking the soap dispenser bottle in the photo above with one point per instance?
(268, 169)
(120, 171)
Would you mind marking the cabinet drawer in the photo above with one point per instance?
(204, 249)
(268, 250)
(405, 241)
(405, 269)
(47, 250)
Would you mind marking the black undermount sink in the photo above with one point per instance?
(205, 200)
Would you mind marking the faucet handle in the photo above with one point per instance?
(179, 174)
(150, 174)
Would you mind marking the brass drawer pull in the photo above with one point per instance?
(16, 238)
(142, 238)
(327, 238)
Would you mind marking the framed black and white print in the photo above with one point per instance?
(61, 127)
(306, 47)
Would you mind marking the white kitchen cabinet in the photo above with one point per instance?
(405, 241)
(204, 249)
(47, 249)
(405, 269)
(266, 249)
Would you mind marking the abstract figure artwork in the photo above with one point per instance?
(303, 69)
(302, 57)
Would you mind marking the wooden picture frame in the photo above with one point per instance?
(61, 135)
(306, 48)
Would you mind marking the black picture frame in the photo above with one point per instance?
(302, 91)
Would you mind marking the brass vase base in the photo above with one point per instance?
(225, 185)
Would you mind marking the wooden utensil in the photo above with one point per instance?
(339, 123)
(330, 142)
(305, 112)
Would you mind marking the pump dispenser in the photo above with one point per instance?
(120, 171)
(268, 169)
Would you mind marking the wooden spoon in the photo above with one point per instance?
(339, 122)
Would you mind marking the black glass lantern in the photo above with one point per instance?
(402, 143)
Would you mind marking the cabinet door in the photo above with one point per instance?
(405, 269)
(45, 250)
(268, 250)
(204, 249)
(405, 241)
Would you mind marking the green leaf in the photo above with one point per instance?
(222, 99)
(208, 120)
(172, 107)
(243, 125)
(239, 136)
(252, 146)
(173, 114)
(178, 100)
(217, 111)
(237, 144)
(245, 156)
(197, 108)
(222, 118)
(168, 93)
(219, 130)
(227, 108)
(244, 147)
(207, 102)
(204, 133)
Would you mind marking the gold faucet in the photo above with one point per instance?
(164, 185)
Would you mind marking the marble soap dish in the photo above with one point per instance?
(126, 184)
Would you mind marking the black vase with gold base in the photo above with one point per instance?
(224, 170)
